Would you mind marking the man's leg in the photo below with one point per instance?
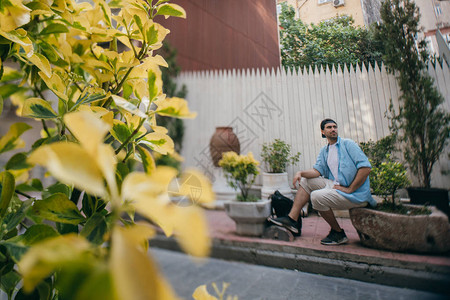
(324, 201)
(329, 217)
(300, 200)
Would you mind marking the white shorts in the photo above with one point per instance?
(324, 197)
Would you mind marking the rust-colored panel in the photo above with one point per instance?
(225, 34)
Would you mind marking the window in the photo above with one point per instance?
(438, 10)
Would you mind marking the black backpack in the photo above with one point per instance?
(281, 206)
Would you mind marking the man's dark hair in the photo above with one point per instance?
(325, 122)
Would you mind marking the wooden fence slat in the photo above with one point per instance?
(357, 99)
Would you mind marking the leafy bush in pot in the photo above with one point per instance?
(277, 155)
(240, 172)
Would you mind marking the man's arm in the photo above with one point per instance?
(311, 173)
(360, 178)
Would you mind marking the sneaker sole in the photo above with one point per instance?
(290, 228)
(343, 241)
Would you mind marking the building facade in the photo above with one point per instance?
(225, 34)
(435, 14)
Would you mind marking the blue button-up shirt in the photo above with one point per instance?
(351, 158)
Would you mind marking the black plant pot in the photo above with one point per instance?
(431, 196)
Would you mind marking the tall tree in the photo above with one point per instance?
(421, 122)
(334, 41)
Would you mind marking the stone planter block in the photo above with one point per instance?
(275, 181)
(402, 233)
(249, 217)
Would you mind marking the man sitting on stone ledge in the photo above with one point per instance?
(338, 180)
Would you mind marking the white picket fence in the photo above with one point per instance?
(262, 105)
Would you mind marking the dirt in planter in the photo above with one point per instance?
(403, 210)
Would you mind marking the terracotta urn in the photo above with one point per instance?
(223, 140)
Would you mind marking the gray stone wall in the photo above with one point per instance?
(371, 11)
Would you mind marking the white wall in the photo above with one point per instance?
(262, 105)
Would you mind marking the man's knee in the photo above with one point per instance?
(317, 200)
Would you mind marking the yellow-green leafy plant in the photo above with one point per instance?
(240, 172)
(201, 293)
(87, 72)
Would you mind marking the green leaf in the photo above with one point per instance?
(19, 213)
(8, 282)
(95, 229)
(21, 295)
(38, 109)
(9, 89)
(92, 205)
(18, 162)
(173, 10)
(152, 87)
(127, 90)
(147, 159)
(10, 140)
(14, 250)
(34, 234)
(58, 208)
(11, 75)
(152, 35)
(8, 186)
(120, 131)
(55, 28)
(1, 103)
(66, 228)
(87, 98)
(57, 188)
(37, 184)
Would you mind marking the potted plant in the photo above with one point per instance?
(417, 228)
(420, 122)
(248, 211)
(276, 156)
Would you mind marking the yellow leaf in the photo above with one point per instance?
(19, 36)
(87, 128)
(56, 84)
(150, 198)
(14, 14)
(43, 258)
(170, 9)
(106, 160)
(38, 108)
(201, 293)
(191, 230)
(159, 142)
(159, 129)
(135, 276)
(42, 63)
(196, 186)
(147, 160)
(71, 164)
(11, 139)
(140, 185)
(123, 103)
(174, 107)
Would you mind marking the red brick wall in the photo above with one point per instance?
(225, 34)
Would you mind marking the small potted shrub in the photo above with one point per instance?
(276, 156)
(248, 211)
(417, 228)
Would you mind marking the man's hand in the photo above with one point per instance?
(360, 178)
(311, 173)
(297, 177)
(344, 189)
